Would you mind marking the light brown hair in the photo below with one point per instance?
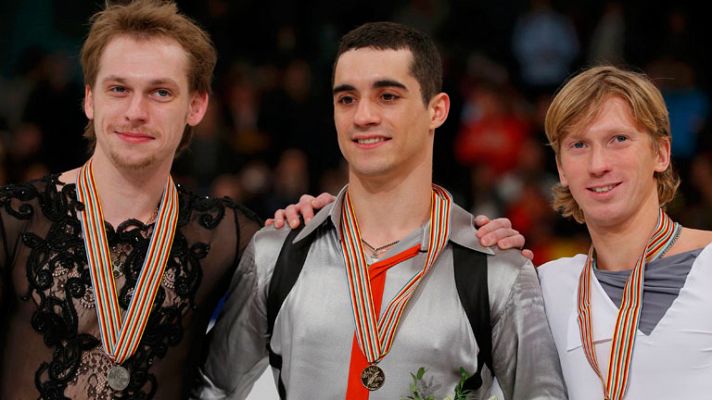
(578, 102)
(143, 20)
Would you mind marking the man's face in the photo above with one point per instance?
(384, 129)
(141, 102)
(608, 164)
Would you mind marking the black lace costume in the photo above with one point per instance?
(50, 346)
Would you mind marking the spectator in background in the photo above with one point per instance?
(687, 103)
(545, 44)
(491, 132)
(608, 38)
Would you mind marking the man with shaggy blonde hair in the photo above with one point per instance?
(633, 318)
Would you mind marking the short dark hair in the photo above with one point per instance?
(426, 67)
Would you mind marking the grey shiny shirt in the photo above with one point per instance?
(314, 329)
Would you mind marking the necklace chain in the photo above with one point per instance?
(376, 250)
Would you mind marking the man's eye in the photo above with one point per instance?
(117, 89)
(577, 145)
(620, 138)
(163, 92)
(346, 100)
(389, 97)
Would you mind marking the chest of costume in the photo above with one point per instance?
(674, 361)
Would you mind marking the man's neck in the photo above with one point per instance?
(126, 193)
(619, 247)
(388, 211)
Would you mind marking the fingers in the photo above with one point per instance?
(322, 200)
(493, 226)
(498, 231)
(504, 238)
(292, 215)
(528, 254)
(305, 208)
(278, 220)
(481, 220)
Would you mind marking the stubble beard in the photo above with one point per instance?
(128, 160)
(134, 165)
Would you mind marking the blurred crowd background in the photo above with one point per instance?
(269, 137)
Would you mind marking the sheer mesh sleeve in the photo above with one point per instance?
(50, 343)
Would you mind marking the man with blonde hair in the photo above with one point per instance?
(633, 318)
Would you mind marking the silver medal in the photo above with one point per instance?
(118, 378)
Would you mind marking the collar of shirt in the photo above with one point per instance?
(462, 229)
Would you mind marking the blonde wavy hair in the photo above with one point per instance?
(578, 101)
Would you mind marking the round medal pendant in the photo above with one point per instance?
(118, 378)
(373, 377)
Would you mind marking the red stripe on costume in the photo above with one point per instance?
(377, 275)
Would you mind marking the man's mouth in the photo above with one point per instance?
(603, 189)
(370, 140)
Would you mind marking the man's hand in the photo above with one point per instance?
(306, 207)
(499, 231)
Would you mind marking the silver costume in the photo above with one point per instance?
(314, 329)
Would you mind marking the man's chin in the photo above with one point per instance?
(133, 163)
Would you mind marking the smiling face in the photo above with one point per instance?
(140, 102)
(384, 128)
(608, 164)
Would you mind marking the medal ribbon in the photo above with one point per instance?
(120, 340)
(614, 386)
(375, 336)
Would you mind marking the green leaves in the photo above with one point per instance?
(423, 388)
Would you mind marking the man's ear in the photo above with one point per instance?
(88, 102)
(562, 176)
(439, 107)
(662, 155)
(198, 107)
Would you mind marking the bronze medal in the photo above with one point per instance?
(118, 378)
(373, 377)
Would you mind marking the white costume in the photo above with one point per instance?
(673, 362)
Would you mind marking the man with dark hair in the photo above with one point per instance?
(109, 273)
(390, 277)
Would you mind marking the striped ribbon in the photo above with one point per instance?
(375, 336)
(120, 340)
(615, 385)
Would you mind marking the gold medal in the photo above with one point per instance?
(373, 377)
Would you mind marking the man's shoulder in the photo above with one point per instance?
(269, 237)
(30, 189)
(563, 264)
(694, 239)
(210, 211)
(17, 198)
(504, 267)
(558, 277)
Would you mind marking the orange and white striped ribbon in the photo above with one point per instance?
(120, 340)
(615, 384)
(375, 336)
